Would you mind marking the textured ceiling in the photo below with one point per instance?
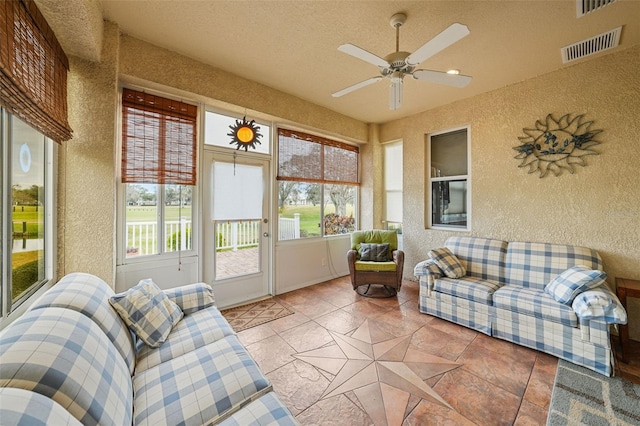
(292, 45)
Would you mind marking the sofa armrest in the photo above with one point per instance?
(601, 304)
(428, 268)
(192, 297)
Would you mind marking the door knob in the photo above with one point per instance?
(266, 234)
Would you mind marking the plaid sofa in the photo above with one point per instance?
(70, 359)
(503, 294)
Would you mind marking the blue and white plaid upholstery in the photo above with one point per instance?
(198, 387)
(553, 338)
(441, 305)
(90, 295)
(600, 303)
(534, 265)
(566, 286)
(192, 298)
(481, 257)
(63, 355)
(427, 267)
(520, 311)
(447, 262)
(147, 311)
(21, 407)
(267, 410)
(536, 303)
(468, 288)
(194, 331)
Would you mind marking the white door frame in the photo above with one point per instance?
(245, 288)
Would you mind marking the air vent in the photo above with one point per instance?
(591, 46)
(587, 6)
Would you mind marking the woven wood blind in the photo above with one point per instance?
(310, 158)
(33, 70)
(159, 143)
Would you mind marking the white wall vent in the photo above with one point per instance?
(587, 6)
(591, 46)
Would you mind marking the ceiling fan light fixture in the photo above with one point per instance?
(395, 94)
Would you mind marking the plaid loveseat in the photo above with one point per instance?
(70, 359)
(502, 294)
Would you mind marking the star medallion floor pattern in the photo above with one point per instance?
(382, 370)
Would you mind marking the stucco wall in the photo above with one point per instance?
(139, 59)
(86, 179)
(598, 206)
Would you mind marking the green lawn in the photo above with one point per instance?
(309, 217)
(148, 213)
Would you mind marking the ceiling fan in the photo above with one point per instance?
(397, 65)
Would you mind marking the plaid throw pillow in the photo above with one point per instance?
(566, 286)
(148, 312)
(374, 252)
(448, 262)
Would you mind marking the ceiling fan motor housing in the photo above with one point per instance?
(397, 62)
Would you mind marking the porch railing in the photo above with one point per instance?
(230, 235)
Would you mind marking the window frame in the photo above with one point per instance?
(429, 180)
(121, 240)
(322, 141)
(9, 309)
(389, 224)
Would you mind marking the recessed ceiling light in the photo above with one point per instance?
(455, 72)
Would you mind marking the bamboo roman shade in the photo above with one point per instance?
(33, 70)
(310, 158)
(159, 143)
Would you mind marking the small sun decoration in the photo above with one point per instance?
(556, 144)
(245, 134)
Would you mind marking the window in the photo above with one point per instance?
(393, 186)
(26, 211)
(448, 179)
(217, 132)
(317, 186)
(159, 148)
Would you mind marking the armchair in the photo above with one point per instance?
(375, 263)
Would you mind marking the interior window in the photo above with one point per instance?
(448, 176)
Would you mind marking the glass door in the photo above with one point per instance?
(237, 228)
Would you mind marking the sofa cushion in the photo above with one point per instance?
(469, 288)
(193, 297)
(23, 407)
(374, 252)
(198, 387)
(89, 295)
(536, 303)
(448, 262)
(534, 265)
(600, 304)
(266, 410)
(63, 355)
(566, 286)
(194, 331)
(362, 265)
(148, 312)
(481, 257)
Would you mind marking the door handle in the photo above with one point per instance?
(266, 234)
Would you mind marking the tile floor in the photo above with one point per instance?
(343, 359)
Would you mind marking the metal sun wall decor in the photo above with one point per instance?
(555, 145)
(245, 134)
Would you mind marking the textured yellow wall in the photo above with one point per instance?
(598, 206)
(86, 179)
(151, 63)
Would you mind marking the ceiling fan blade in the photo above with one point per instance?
(362, 54)
(356, 86)
(455, 80)
(443, 40)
